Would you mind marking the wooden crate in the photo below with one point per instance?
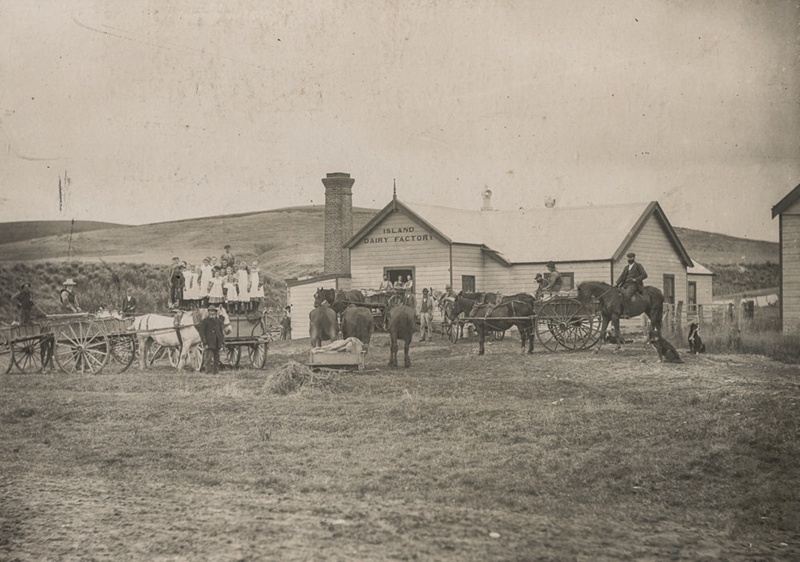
(350, 357)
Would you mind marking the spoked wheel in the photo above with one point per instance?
(81, 347)
(6, 354)
(394, 300)
(30, 355)
(159, 353)
(230, 355)
(257, 354)
(567, 323)
(123, 350)
(498, 335)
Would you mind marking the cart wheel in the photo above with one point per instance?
(29, 355)
(567, 323)
(394, 300)
(123, 350)
(160, 353)
(81, 347)
(258, 354)
(6, 355)
(452, 331)
(230, 355)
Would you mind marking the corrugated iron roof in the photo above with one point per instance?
(538, 235)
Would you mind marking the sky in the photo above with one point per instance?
(169, 109)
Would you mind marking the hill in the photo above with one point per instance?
(288, 242)
(28, 230)
(713, 248)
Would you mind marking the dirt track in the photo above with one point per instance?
(186, 466)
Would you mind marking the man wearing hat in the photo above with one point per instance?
(69, 302)
(631, 280)
(426, 315)
(24, 301)
(212, 335)
(553, 283)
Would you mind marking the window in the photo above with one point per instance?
(468, 283)
(669, 288)
(395, 273)
(692, 296)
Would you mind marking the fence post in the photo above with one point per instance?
(678, 321)
(700, 321)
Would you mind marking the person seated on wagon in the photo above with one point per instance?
(553, 284)
(69, 302)
(385, 285)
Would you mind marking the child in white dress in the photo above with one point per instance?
(215, 293)
(256, 287)
(231, 291)
(205, 277)
(243, 284)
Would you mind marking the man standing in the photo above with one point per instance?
(176, 286)
(385, 285)
(24, 301)
(631, 280)
(128, 304)
(213, 337)
(228, 256)
(69, 302)
(426, 315)
(286, 323)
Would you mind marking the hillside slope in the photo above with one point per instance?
(713, 248)
(288, 241)
(28, 230)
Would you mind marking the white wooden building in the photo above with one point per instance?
(788, 211)
(502, 251)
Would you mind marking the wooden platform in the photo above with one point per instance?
(341, 354)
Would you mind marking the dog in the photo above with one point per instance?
(666, 351)
(696, 344)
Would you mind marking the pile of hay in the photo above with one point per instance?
(293, 376)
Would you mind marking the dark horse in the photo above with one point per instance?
(322, 325)
(357, 323)
(613, 306)
(402, 324)
(514, 310)
(337, 298)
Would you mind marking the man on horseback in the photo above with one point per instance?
(631, 280)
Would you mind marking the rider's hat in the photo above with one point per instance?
(69, 282)
(631, 255)
(551, 264)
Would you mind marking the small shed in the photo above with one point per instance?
(699, 291)
(301, 296)
(788, 212)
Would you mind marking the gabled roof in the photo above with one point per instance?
(786, 202)
(536, 235)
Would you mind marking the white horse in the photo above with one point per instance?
(164, 331)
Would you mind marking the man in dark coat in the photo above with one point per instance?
(631, 280)
(24, 301)
(212, 334)
(128, 304)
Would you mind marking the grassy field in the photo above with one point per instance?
(501, 457)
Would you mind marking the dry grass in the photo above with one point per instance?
(554, 456)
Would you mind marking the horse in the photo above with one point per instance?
(164, 331)
(322, 325)
(338, 299)
(402, 323)
(357, 323)
(498, 316)
(614, 305)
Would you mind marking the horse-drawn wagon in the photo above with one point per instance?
(253, 333)
(78, 342)
(559, 322)
(378, 302)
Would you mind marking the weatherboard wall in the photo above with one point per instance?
(301, 297)
(790, 267)
(399, 241)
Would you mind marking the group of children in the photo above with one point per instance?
(236, 286)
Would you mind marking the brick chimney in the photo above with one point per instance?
(338, 222)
